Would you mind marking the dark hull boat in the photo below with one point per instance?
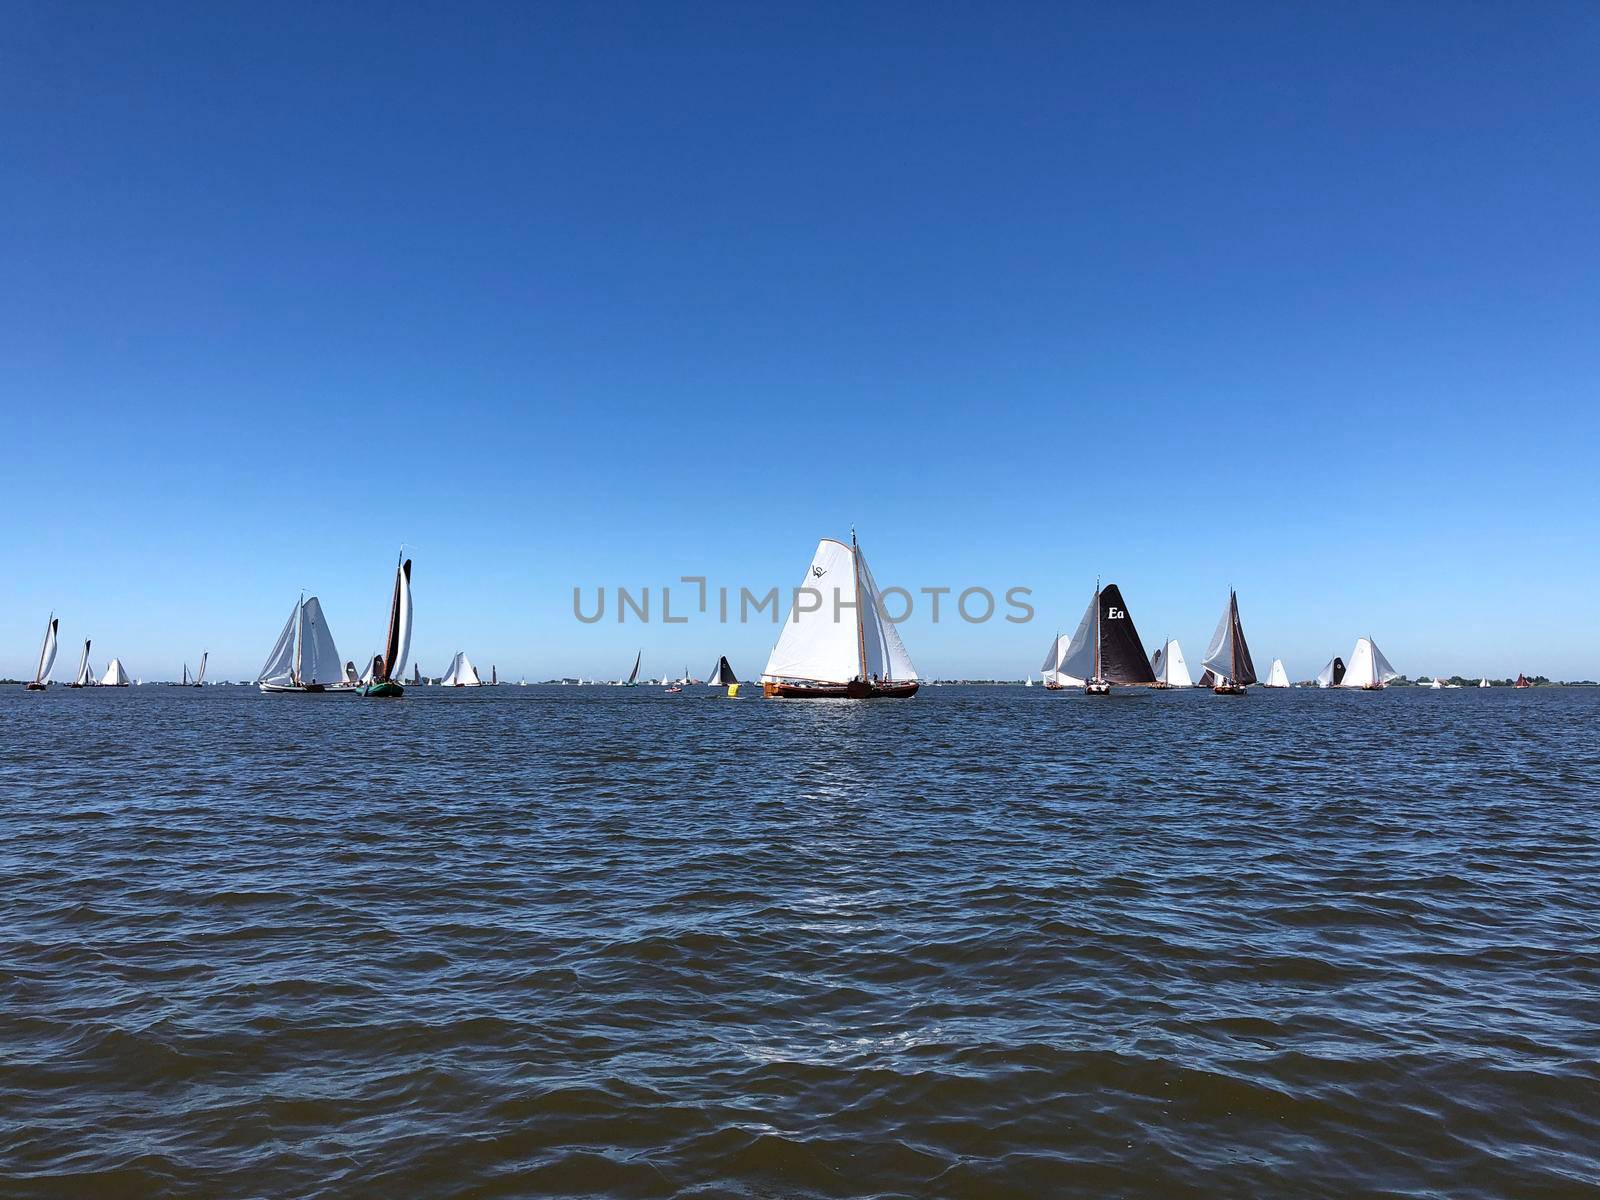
(304, 659)
(1227, 659)
(1104, 651)
(824, 654)
(384, 676)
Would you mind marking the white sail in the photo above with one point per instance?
(1325, 676)
(1170, 666)
(397, 669)
(1277, 677)
(115, 676)
(1219, 651)
(319, 658)
(1368, 667)
(200, 677)
(886, 653)
(461, 673)
(1075, 660)
(85, 676)
(47, 652)
(1436, 684)
(820, 642)
(1483, 683)
(279, 667)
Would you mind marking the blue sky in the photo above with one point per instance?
(1299, 301)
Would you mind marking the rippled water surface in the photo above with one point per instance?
(988, 942)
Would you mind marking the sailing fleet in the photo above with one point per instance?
(842, 646)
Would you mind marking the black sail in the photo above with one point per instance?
(722, 675)
(1244, 670)
(1338, 671)
(1122, 656)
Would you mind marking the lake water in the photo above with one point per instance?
(987, 942)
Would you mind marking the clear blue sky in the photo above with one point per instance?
(1302, 299)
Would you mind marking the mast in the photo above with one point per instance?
(299, 642)
(1233, 617)
(861, 629)
(1097, 631)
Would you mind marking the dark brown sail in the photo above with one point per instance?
(1122, 656)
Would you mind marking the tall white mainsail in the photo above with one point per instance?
(402, 647)
(115, 676)
(460, 673)
(1074, 662)
(319, 657)
(837, 631)
(1169, 665)
(1368, 667)
(1277, 677)
(1228, 656)
(279, 667)
(200, 678)
(47, 652)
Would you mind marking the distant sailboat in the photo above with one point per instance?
(1050, 670)
(1171, 671)
(1105, 649)
(1435, 684)
(1331, 675)
(1483, 683)
(47, 656)
(115, 676)
(85, 675)
(494, 676)
(460, 673)
(200, 675)
(722, 676)
(416, 674)
(633, 676)
(1028, 682)
(1522, 681)
(1277, 677)
(1228, 656)
(1369, 669)
(821, 653)
(389, 668)
(304, 658)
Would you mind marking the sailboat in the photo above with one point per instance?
(1522, 681)
(1050, 672)
(1331, 675)
(821, 653)
(1105, 649)
(1484, 682)
(47, 656)
(389, 668)
(1028, 682)
(633, 676)
(1369, 669)
(722, 676)
(1228, 656)
(85, 676)
(200, 675)
(304, 658)
(416, 674)
(1277, 677)
(494, 676)
(1435, 684)
(460, 673)
(115, 676)
(1171, 671)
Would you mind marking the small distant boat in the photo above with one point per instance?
(1228, 655)
(1277, 677)
(85, 675)
(200, 675)
(1483, 683)
(460, 673)
(673, 689)
(722, 676)
(1171, 671)
(1332, 675)
(1105, 650)
(1522, 681)
(1028, 682)
(819, 655)
(389, 668)
(115, 676)
(494, 676)
(1369, 670)
(416, 674)
(633, 676)
(522, 681)
(47, 656)
(304, 658)
(1435, 684)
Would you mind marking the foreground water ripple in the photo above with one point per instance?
(988, 942)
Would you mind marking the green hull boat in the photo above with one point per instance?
(387, 687)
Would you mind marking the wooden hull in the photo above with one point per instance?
(1097, 689)
(1055, 687)
(388, 688)
(854, 690)
(35, 687)
(1228, 689)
